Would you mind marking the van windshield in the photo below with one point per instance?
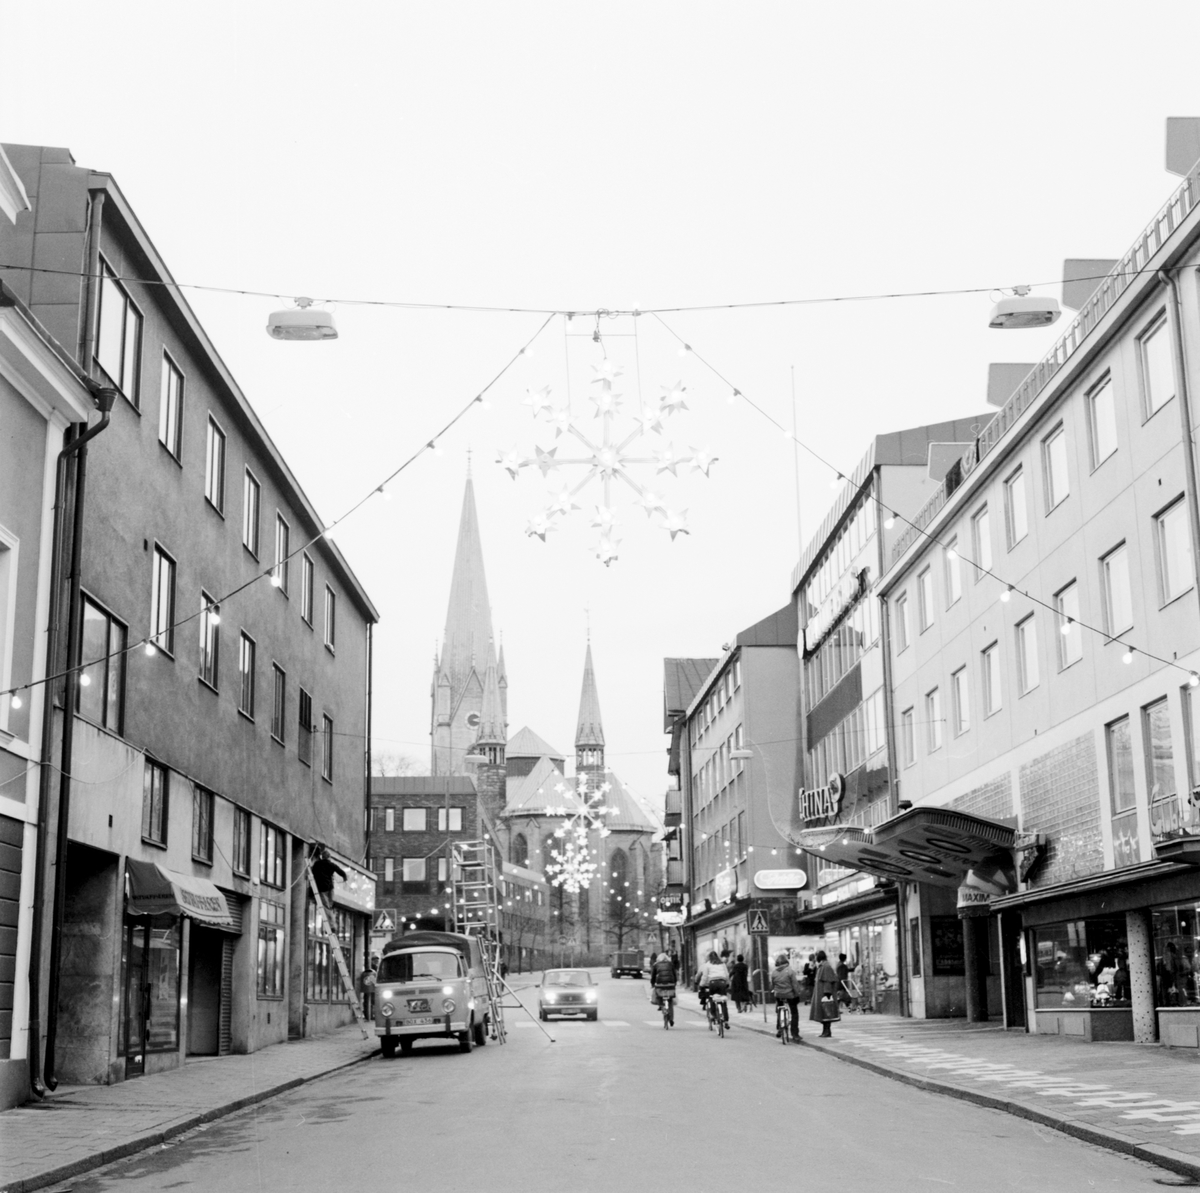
(418, 966)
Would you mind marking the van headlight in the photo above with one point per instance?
(447, 989)
(387, 994)
(387, 1010)
(449, 1006)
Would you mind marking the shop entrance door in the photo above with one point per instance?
(135, 997)
(204, 991)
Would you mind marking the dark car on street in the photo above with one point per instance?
(568, 992)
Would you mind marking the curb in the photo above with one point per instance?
(141, 1143)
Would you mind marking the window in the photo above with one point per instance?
(330, 617)
(162, 602)
(443, 872)
(962, 701)
(304, 732)
(1120, 765)
(306, 588)
(1160, 757)
(283, 538)
(933, 720)
(902, 627)
(210, 640)
(270, 855)
(1118, 604)
(450, 820)
(241, 841)
(1102, 421)
(414, 820)
(154, 803)
(925, 598)
(316, 984)
(991, 679)
(1158, 369)
(326, 748)
(246, 649)
(389, 820)
(270, 949)
(251, 496)
(981, 542)
(202, 824)
(413, 869)
(1016, 518)
(1191, 732)
(101, 691)
(1054, 463)
(1176, 571)
(170, 408)
(389, 869)
(214, 466)
(1070, 640)
(119, 343)
(278, 703)
(953, 572)
(1027, 660)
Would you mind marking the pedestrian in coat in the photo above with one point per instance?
(824, 1007)
(739, 983)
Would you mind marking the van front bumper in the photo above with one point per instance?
(445, 1026)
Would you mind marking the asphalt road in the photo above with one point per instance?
(620, 1104)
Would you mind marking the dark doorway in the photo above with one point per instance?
(135, 998)
(204, 991)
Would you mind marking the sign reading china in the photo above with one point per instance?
(822, 803)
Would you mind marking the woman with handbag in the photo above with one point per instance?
(824, 1008)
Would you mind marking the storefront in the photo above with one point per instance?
(864, 929)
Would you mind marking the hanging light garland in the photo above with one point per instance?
(571, 864)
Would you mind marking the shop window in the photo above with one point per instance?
(1082, 964)
(162, 973)
(270, 949)
(1176, 942)
(1119, 744)
(321, 981)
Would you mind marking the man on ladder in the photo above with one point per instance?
(321, 871)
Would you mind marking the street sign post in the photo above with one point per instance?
(758, 922)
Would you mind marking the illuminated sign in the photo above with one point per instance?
(725, 886)
(780, 880)
(822, 803)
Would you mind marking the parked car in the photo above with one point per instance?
(568, 992)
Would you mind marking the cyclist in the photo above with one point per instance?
(714, 984)
(786, 988)
(663, 978)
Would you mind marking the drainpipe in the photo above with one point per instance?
(53, 633)
(1185, 418)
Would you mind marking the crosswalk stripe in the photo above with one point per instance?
(615, 1022)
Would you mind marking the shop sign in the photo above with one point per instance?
(725, 886)
(843, 594)
(822, 803)
(670, 919)
(973, 901)
(780, 880)
(671, 901)
(1171, 817)
(356, 890)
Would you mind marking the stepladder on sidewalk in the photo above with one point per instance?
(335, 947)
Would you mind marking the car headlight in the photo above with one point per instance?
(550, 997)
(387, 994)
(449, 1006)
(387, 1010)
(591, 996)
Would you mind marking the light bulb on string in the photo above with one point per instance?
(276, 580)
(16, 701)
(151, 650)
(1065, 628)
(85, 680)
(889, 521)
(1194, 680)
(1006, 595)
(837, 480)
(214, 616)
(1127, 657)
(382, 491)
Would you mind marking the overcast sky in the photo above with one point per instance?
(583, 156)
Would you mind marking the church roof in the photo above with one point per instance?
(589, 731)
(544, 787)
(468, 636)
(527, 744)
(630, 816)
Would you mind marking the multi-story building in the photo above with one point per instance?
(845, 714)
(735, 810)
(42, 393)
(213, 742)
(1042, 630)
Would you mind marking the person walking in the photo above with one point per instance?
(843, 972)
(785, 986)
(366, 987)
(824, 1008)
(807, 973)
(739, 983)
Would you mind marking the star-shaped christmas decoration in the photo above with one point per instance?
(560, 420)
(608, 401)
(603, 519)
(563, 503)
(672, 398)
(606, 552)
(676, 523)
(607, 371)
(651, 419)
(651, 502)
(545, 460)
(512, 462)
(666, 458)
(702, 460)
(539, 525)
(538, 399)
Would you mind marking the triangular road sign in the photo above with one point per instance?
(758, 923)
(383, 922)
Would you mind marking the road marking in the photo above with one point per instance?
(522, 1023)
(615, 1022)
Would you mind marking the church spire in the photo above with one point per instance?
(589, 732)
(492, 729)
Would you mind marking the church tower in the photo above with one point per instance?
(589, 732)
(458, 678)
(491, 771)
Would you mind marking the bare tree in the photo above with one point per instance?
(390, 765)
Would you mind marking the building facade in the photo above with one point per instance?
(213, 743)
(1043, 632)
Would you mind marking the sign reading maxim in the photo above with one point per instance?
(822, 803)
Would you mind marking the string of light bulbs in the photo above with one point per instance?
(601, 312)
(952, 552)
(272, 574)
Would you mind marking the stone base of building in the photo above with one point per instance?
(1179, 1027)
(1091, 1024)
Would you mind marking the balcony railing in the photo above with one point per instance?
(1156, 234)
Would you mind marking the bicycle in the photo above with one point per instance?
(783, 1021)
(718, 1011)
(666, 1003)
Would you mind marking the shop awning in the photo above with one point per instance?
(155, 890)
(935, 845)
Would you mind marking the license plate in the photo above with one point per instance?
(418, 1005)
(408, 1022)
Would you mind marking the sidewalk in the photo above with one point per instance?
(1140, 1099)
(80, 1127)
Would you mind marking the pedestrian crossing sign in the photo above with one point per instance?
(758, 923)
(383, 922)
